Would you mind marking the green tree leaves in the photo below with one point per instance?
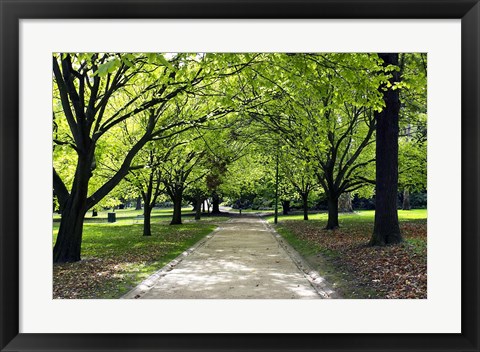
(225, 116)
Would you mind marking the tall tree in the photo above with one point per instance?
(413, 125)
(97, 92)
(412, 171)
(225, 142)
(178, 173)
(299, 173)
(324, 108)
(197, 193)
(386, 229)
(182, 165)
(86, 85)
(147, 178)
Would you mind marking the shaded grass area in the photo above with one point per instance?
(132, 216)
(361, 216)
(355, 269)
(116, 257)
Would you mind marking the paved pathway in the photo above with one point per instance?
(242, 259)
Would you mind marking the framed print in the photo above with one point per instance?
(443, 315)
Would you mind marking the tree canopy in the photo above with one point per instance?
(222, 126)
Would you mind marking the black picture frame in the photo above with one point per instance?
(12, 11)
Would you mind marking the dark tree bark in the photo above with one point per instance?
(285, 206)
(406, 200)
(69, 239)
(386, 229)
(198, 208)
(345, 203)
(332, 222)
(147, 217)
(60, 191)
(68, 245)
(139, 204)
(150, 191)
(305, 205)
(147, 210)
(177, 207)
(215, 203)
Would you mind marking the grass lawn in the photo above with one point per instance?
(116, 257)
(356, 270)
(132, 216)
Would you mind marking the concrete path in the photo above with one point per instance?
(243, 259)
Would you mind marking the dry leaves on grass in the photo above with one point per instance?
(90, 278)
(398, 271)
(117, 258)
(101, 277)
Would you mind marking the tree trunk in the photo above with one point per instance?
(285, 206)
(386, 229)
(406, 200)
(177, 208)
(198, 209)
(69, 239)
(305, 205)
(215, 203)
(139, 203)
(203, 207)
(147, 215)
(332, 222)
(345, 203)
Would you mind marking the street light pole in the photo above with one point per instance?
(276, 189)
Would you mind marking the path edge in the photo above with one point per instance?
(320, 284)
(146, 285)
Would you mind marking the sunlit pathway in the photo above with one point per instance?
(241, 260)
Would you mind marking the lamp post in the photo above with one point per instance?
(276, 187)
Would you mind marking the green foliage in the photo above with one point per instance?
(133, 94)
(218, 123)
(412, 159)
(318, 105)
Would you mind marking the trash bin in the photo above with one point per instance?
(112, 217)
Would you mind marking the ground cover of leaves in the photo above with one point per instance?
(116, 257)
(398, 271)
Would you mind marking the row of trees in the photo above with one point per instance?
(193, 126)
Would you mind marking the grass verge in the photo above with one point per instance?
(116, 257)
